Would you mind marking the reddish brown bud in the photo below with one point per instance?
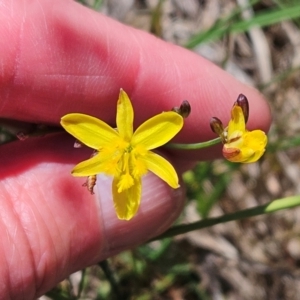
(184, 110)
(216, 126)
(243, 103)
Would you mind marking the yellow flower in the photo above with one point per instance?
(240, 145)
(124, 154)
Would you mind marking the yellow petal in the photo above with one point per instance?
(255, 157)
(232, 154)
(128, 201)
(249, 148)
(138, 166)
(89, 130)
(125, 182)
(162, 168)
(158, 130)
(238, 155)
(97, 164)
(237, 124)
(124, 116)
(257, 141)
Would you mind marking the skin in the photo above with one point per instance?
(58, 57)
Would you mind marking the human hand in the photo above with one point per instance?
(58, 57)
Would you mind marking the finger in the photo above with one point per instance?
(64, 58)
(51, 226)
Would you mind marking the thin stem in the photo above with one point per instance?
(81, 283)
(271, 207)
(194, 146)
(104, 265)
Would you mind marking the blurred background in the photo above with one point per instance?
(258, 42)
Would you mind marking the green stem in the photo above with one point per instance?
(271, 207)
(104, 265)
(194, 146)
(81, 283)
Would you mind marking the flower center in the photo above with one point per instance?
(131, 166)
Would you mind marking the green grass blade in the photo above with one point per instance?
(271, 207)
(268, 18)
(262, 19)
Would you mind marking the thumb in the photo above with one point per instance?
(160, 206)
(51, 226)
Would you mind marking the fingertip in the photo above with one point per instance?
(86, 73)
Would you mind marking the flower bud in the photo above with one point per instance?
(217, 127)
(240, 144)
(243, 103)
(184, 110)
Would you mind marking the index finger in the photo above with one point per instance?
(64, 58)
